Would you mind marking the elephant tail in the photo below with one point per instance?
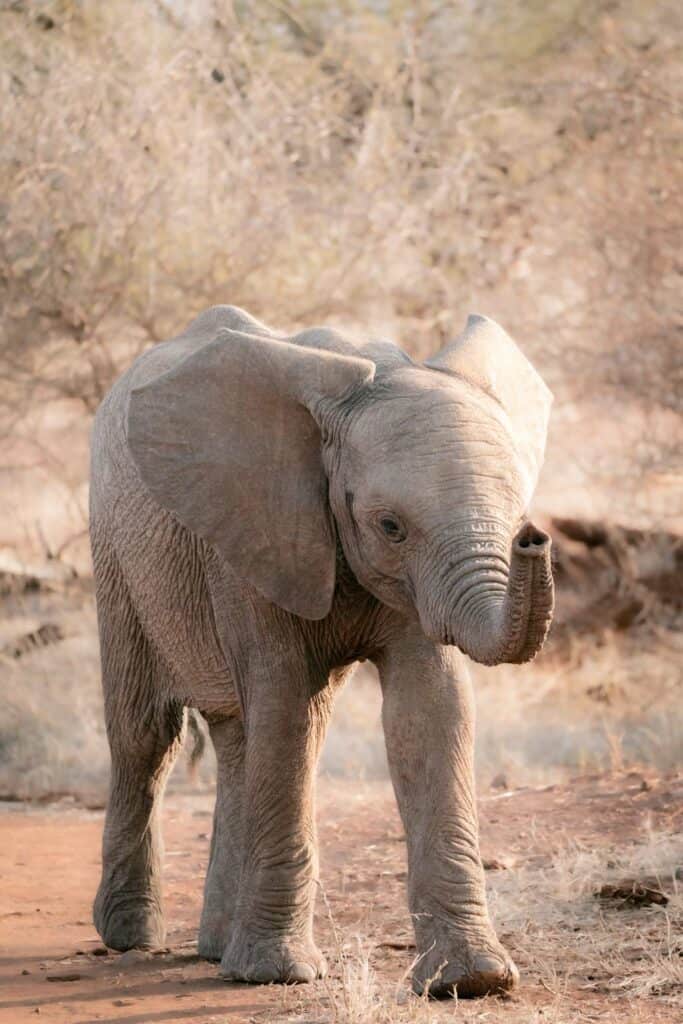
(195, 742)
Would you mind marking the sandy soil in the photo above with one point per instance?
(53, 966)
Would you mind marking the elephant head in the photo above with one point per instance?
(270, 448)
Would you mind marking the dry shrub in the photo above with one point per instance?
(155, 167)
(385, 165)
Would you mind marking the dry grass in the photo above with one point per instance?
(554, 915)
(612, 706)
(580, 960)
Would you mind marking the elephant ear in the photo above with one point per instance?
(226, 440)
(488, 357)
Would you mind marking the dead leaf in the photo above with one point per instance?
(632, 891)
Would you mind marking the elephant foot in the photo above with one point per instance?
(123, 924)
(288, 961)
(467, 969)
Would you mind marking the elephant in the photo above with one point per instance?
(266, 510)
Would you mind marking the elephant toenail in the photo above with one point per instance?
(494, 973)
(301, 972)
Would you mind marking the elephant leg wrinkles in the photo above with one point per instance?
(428, 719)
(128, 907)
(271, 934)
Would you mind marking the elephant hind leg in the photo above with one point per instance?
(221, 888)
(145, 730)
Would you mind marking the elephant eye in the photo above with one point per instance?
(392, 528)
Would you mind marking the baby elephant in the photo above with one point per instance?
(265, 511)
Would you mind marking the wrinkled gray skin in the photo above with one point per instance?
(264, 513)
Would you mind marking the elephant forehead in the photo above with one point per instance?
(432, 447)
(439, 486)
(419, 417)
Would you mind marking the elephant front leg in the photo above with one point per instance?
(428, 719)
(271, 935)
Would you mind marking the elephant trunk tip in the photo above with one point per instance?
(531, 542)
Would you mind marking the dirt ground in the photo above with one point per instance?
(547, 851)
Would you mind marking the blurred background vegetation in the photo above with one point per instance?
(383, 166)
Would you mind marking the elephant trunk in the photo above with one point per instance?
(510, 625)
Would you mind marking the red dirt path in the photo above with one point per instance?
(49, 866)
